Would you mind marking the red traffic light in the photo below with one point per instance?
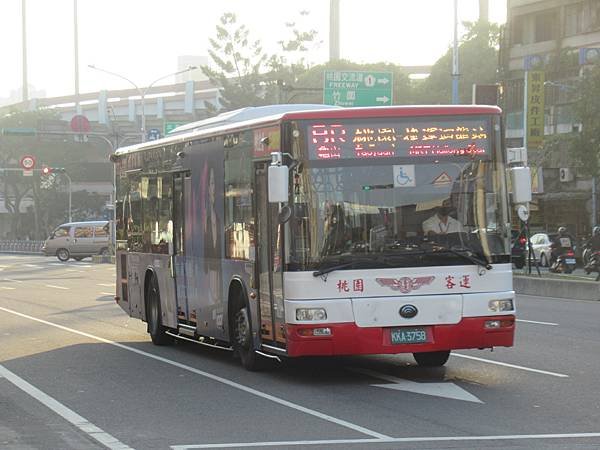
(49, 170)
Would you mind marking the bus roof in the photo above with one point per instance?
(252, 116)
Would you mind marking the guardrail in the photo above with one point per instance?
(21, 246)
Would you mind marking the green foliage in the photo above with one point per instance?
(478, 60)
(49, 194)
(248, 75)
(585, 146)
(241, 64)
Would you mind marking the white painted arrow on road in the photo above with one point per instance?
(446, 389)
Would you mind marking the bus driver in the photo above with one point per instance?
(441, 222)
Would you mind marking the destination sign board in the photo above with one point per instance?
(375, 138)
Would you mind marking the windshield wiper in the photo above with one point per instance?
(326, 270)
(466, 254)
(386, 260)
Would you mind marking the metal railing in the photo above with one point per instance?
(21, 246)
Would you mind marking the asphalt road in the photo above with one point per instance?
(77, 373)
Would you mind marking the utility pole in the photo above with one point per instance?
(334, 30)
(76, 58)
(24, 41)
(455, 57)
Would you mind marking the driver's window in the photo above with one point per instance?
(61, 232)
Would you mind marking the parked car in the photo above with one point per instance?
(78, 240)
(518, 249)
(540, 244)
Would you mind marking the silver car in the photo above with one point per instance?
(78, 240)
(540, 244)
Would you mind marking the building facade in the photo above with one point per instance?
(558, 39)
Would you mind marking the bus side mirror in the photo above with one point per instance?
(521, 184)
(278, 179)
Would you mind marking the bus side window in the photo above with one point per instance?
(239, 220)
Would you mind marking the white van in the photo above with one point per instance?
(78, 240)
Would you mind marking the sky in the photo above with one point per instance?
(141, 39)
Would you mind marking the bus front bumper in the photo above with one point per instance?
(350, 339)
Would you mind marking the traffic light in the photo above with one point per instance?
(49, 170)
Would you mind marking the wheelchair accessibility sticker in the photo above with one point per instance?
(404, 176)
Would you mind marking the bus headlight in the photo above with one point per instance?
(311, 314)
(505, 304)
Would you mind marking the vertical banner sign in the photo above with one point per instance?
(534, 112)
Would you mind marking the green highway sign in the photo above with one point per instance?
(18, 131)
(356, 88)
(170, 126)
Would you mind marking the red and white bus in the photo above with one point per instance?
(295, 230)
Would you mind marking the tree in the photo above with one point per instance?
(246, 74)
(478, 60)
(48, 196)
(585, 145)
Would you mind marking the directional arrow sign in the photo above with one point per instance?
(356, 88)
(446, 389)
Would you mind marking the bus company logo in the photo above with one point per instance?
(405, 284)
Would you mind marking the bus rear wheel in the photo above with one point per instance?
(432, 359)
(158, 332)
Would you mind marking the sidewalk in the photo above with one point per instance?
(576, 286)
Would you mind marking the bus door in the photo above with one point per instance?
(269, 275)
(181, 189)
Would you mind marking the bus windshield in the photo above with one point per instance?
(399, 192)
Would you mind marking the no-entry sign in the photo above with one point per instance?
(28, 162)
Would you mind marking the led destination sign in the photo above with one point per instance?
(375, 139)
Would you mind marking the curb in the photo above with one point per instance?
(548, 287)
(101, 259)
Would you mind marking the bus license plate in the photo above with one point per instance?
(570, 261)
(409, 336)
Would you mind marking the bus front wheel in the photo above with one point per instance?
(242, 337)
(432, 359)
(156, 329)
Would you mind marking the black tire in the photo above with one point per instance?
(63, 254)
(153, 315)
(519, 263)
(432, 359)
(241, 337)
(103, 252)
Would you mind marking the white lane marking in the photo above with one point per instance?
(106, 284)
(68, 414)
(12, 280)
(107, 293)
(73, 270)
(35, 266)
(445, 389)
(393, 440)
(536, 322)
(513, 366)
(56, 287)
(8, 288)
(210, 376)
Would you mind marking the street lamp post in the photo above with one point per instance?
(142, 92)
(70, 192)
